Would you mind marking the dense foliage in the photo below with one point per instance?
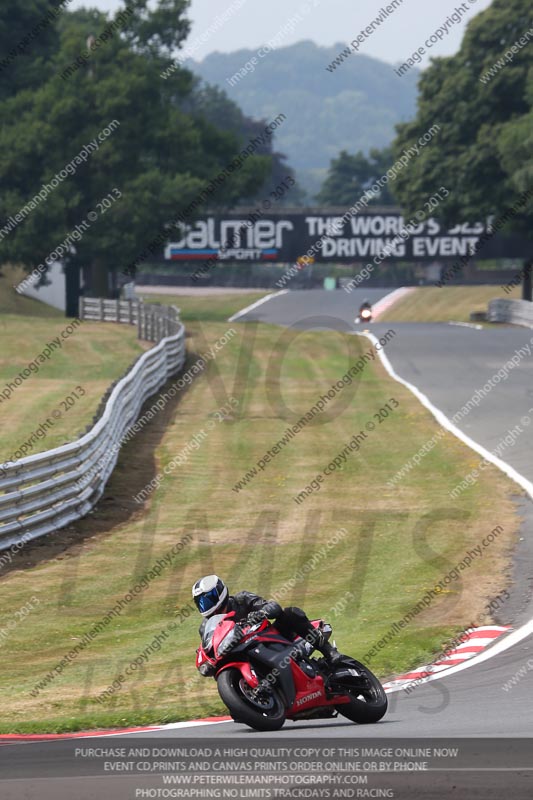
(349, 176)
(482, 98)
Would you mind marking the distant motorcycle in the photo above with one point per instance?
(365, 314)
(264, 679)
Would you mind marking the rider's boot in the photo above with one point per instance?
(318, 640)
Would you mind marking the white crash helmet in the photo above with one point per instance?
(210, 595)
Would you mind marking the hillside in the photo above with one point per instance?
(354, 108)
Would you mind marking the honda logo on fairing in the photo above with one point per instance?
(311, 696)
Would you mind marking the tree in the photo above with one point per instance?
(483, 104)
(158, 158)
(28, 39)
(349, 176)
(213, 104)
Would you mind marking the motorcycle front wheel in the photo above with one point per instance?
(261, 710)
(368, 701)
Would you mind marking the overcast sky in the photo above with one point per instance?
(251, 23)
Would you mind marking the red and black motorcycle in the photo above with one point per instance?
(264, 679)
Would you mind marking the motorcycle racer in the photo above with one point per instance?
(211, 596)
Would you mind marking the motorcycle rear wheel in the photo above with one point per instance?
(367, 704)
(262, 712)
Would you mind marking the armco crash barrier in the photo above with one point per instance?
(154, 321)
(516, 312)
(44, 492)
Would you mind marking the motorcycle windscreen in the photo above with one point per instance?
(209, 630)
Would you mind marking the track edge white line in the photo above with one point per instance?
(525, 630)
(260, 302)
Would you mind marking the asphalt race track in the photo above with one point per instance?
(314, 308)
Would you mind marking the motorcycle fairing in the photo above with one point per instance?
(245, 669)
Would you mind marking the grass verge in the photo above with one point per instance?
(448, 304)
(11, 302)
(206, 308)
(398, 543)
(81, 363)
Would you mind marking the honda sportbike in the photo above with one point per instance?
(265, 679)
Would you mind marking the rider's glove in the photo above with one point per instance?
(270, 610)
(255, 617)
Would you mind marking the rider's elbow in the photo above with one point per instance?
(273, 609)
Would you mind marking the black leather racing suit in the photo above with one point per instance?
(290, 622)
